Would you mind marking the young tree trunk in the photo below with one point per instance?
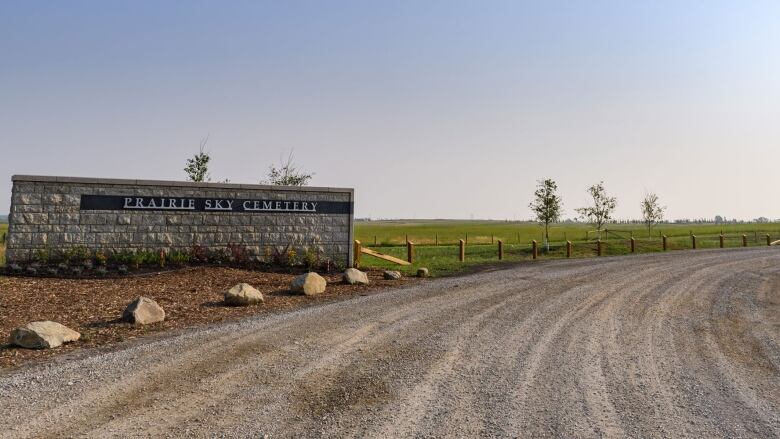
(547, 237)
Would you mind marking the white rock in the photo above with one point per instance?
(422, 272)
(42, 335)
(143, 311)
(243, 294)
(392, 275)
(309, 284)
(354, 276)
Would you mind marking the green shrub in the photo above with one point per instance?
(311, 258)
(178, 258)
(43, 255)
(101, 258)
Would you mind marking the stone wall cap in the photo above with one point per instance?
(171, 183)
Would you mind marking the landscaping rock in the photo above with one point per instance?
(422, 272)
(143, 311)
(354, 276)
(309, 284)
(242, 295)
(392, 275)
(42, 335)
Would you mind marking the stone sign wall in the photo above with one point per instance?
(59, 213)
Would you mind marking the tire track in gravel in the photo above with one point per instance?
(641, 346)
(668, 320)
(141, 396)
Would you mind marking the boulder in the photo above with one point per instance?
(354, 276)
(242, 295)
(309, 284)
(392, 275)
(42, 335)
(143, 311)
(422, 272)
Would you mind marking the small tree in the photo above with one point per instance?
(652, 211)
(197, 168)
(288, 174)
(547, 206)
(603, 206)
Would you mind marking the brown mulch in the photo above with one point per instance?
(190, 297)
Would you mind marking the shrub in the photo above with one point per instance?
(219, 256)
(199, 253)
(292, 257)
(100, 258)
(311, 258)
(77, 255)
(178, 258)
(43, 255)
(125, 257)
(238, 254)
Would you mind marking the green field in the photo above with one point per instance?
(425, 232)
(482, 237)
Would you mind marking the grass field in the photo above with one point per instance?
(482, 237)
(480, 232)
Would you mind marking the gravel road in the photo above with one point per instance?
(683, 344)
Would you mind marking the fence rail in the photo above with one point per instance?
(464, 251)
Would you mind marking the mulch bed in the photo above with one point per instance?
(190, 297)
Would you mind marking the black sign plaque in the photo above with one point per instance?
(188, 204)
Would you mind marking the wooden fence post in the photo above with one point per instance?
(598, 247)
(693, 241)
(492, 239)
(665, 245)
(407, 238)
(462, 254)
(374, 240)
(568, 249)
(768, 239)
(633, 245)
(500, 249)
(467, 238)
(535, 249)
(721, 241)
(744, 240)
(358, 252)
(437, 239)
(410, 252)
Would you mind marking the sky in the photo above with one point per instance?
(429, 109)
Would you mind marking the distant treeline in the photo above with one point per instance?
(3, 218)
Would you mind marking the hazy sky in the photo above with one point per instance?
(427, 108)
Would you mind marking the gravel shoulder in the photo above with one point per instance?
(684, 344)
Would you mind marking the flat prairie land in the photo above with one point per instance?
(425, 232)
(482, 241)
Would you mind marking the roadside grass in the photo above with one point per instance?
(442, 259)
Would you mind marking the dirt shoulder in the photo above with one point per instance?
(190, 297)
